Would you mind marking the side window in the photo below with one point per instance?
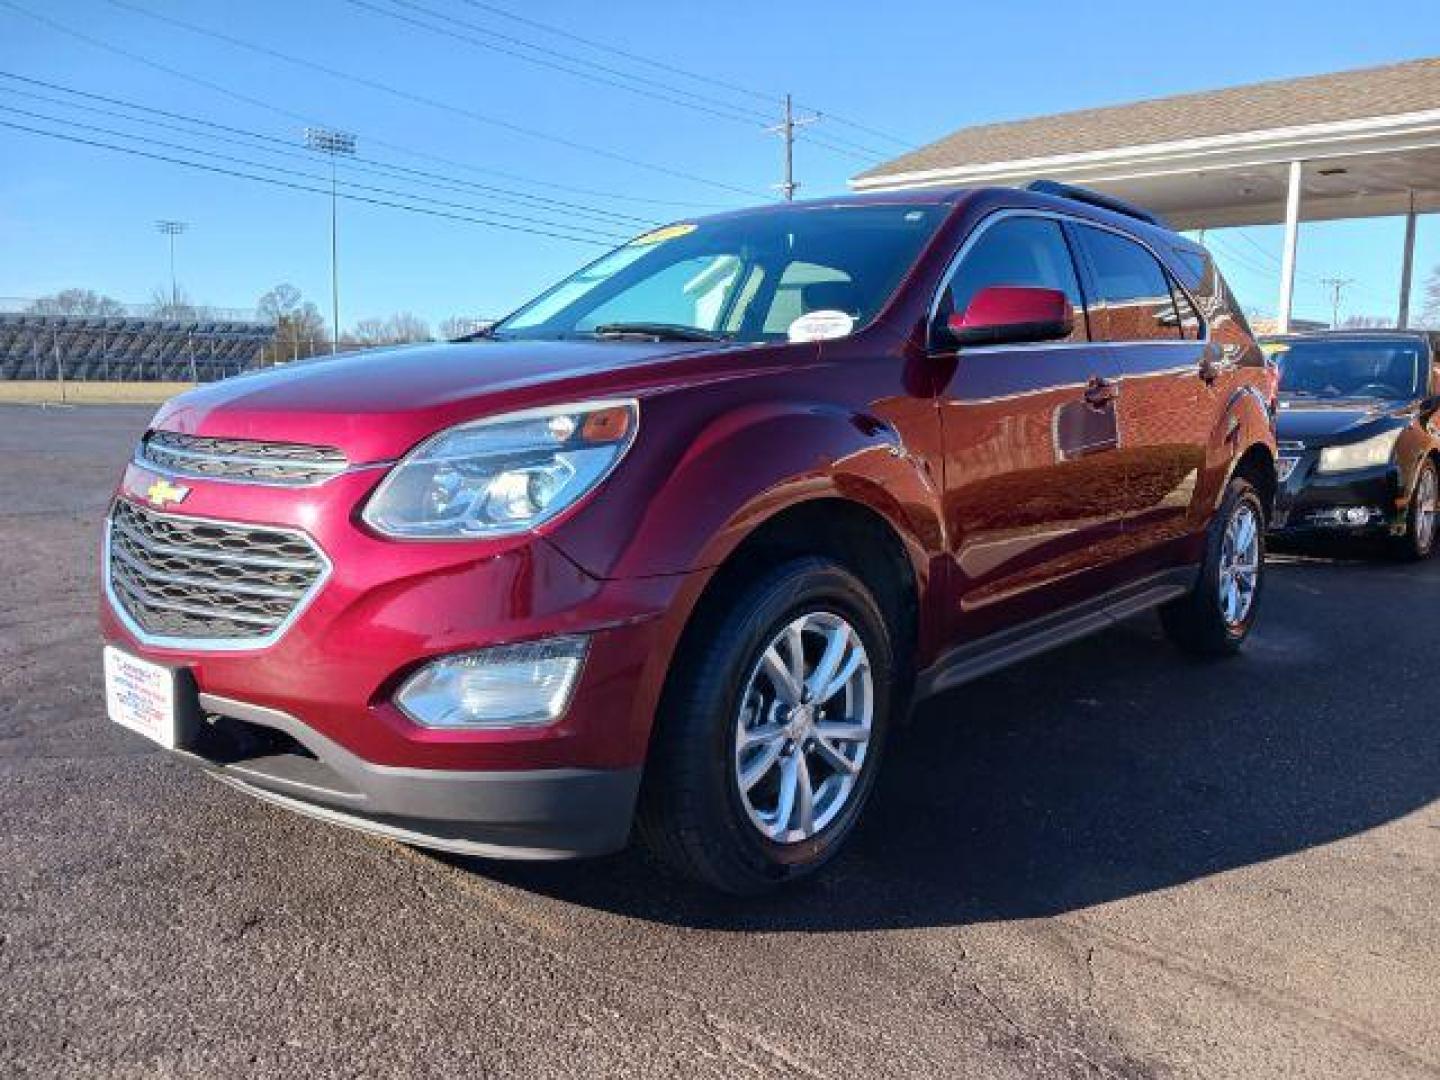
(1016, 251)
(1133, 288)
(1189, 317)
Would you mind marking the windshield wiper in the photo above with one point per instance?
(656, 331)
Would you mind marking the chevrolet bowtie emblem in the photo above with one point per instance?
(162, 493)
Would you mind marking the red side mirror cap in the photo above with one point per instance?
(1002, 314)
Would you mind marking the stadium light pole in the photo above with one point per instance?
(172, 229)
(332, 143)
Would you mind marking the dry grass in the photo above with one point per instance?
(89, 393)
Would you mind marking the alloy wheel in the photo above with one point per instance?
(1240, 564)
(1427, 509)
(804, 727)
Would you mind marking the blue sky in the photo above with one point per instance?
(73, 215)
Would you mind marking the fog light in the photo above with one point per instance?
(525, 685)
(1355, 515)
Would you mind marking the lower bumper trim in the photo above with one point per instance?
(539, 848)
(514, 814)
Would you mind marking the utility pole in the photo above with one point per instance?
(332, 143)
(172, 229)
(786, 130)
(1336, 286)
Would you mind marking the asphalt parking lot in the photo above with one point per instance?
(1108, 862)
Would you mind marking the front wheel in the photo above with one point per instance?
(1418, 540)
(771, 730)
(1216, 617)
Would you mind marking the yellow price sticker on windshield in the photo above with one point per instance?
(665, 232)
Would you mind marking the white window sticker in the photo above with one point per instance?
(821, 326)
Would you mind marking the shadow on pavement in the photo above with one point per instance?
(1111, 768)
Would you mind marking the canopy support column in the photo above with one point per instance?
(1292, 237)
(1407, 267)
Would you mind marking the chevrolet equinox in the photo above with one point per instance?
(675, 545)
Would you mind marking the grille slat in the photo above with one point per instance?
(244, 460)
(185, 578)
(239, 586)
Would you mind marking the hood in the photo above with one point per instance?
(376, 405)
(1305, 420)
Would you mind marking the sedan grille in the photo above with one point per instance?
(193, 580)
(246, 460)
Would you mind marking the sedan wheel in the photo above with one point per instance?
(1427, 509)
(1240, 564)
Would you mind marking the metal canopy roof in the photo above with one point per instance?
(1370, 140)
(1353, 144)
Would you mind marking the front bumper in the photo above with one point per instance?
(309, 721)
(1361, 501)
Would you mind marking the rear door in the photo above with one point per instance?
(1032, 486)
(1168, 409)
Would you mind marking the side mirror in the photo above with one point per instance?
(1006, 314)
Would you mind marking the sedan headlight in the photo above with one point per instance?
(502, 475)
(1365, 454)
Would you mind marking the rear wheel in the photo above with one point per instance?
(1418, 540)
(1216, 617)
(771, 731)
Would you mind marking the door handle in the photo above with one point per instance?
(1100, 392)
(1211, 367)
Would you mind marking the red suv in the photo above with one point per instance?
(676, 544)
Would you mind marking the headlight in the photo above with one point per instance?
(523, 685)
(503, 475)
(1365, 454)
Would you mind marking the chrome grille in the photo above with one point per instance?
(245, 460)
(196, 580)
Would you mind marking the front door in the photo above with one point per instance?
(1033, 490)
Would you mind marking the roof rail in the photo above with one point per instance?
(1095, 198)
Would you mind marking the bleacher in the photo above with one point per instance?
(48, 347)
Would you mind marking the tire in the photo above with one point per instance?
(1418, 540)
(1210, 620)
(695, 814)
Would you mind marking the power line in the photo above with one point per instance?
(1336, 286)
(271, 144)
(302, 119)
(673, 69)
(429, 102)
(661, 91)
(572, 229)
(1312, 278)
(296, 187)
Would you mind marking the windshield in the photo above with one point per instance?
(746, 277)
(1349, 369)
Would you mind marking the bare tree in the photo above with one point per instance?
(404, 327)
(1430, 313)
(1367, 322)
(77, 304)
(300, 329)
(367, 333)
(399, 329)
(279, 303)
(176, 307)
